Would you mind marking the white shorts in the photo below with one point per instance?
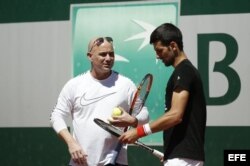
(183, 162)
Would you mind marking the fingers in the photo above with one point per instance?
(79, 157)
(114, 121)
(125, 140)
(118, 121)
(129, 137)
(122, 120)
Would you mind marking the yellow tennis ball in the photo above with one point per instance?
(116, 112)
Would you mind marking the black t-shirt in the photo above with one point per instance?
(186, 140)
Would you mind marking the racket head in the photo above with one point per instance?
(108, 127)
(142, 93)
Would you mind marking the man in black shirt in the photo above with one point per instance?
(184, 121)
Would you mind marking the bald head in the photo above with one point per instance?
(97, 41)
(91, 43)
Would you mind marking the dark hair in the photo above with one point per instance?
(167, 33)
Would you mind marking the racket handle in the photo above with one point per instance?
(155, 152)
(158, 154)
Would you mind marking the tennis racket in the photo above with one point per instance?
(141, 94)
(137, 103)
(118, 132)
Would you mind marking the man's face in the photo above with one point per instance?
(102, 58)
(164, 53)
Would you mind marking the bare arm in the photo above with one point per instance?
(174, 115)
(75, 150)
(168, 120)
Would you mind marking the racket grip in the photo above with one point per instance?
(158, 154)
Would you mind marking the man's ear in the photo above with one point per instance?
(173, 45)
(89, 55)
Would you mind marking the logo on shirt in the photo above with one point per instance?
(87, 101)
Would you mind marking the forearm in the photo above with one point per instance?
(165, 122)
(77, 153)
(66, 136)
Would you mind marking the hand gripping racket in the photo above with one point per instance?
(137, 103)
(117, 132)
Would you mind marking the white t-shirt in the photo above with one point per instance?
(84, 98)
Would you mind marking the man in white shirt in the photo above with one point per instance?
(90, 95)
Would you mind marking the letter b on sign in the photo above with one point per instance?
(223, 67)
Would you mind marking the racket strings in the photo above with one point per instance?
(143, 91)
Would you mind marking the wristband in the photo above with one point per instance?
(147, 129)
(140, 131)
(143, 130)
